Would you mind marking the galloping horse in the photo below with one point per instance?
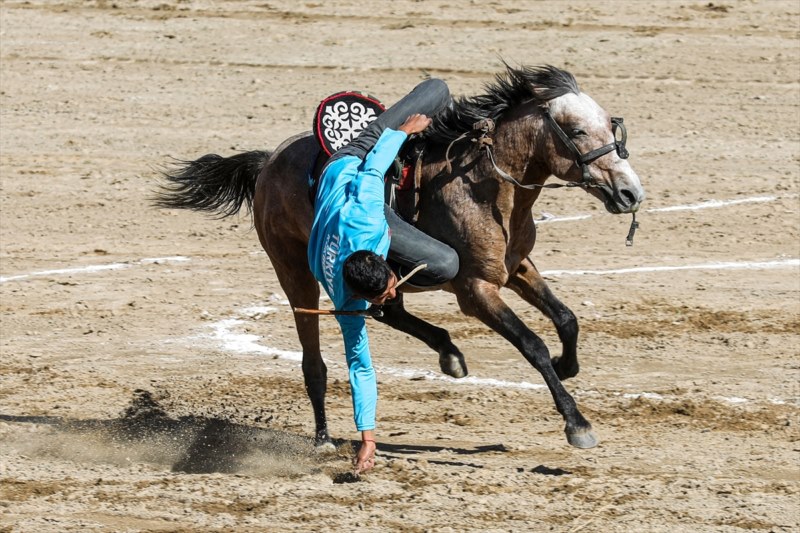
(475, 196)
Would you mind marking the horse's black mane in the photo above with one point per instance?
(510, 88)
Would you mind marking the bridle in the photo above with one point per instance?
(484, 127)
(583, 160)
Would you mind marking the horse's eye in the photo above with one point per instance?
(577, 132)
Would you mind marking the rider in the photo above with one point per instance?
(353, 232)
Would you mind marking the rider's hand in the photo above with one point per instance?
(365, 459)
(415, 124)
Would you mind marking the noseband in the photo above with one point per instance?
(583, 160)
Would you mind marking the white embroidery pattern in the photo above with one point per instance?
(342, 122)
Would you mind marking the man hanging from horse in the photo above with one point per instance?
(355, 232)
(476, 196)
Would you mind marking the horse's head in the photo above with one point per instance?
(572, 137)
(587, 146)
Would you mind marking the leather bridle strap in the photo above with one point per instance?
(531, 186)
(583, 160)
(479, 135)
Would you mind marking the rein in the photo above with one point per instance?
(480, 133)
(483, 128)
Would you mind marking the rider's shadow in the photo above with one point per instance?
(395, 451)
(398, 450)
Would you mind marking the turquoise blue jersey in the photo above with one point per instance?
(349, 217)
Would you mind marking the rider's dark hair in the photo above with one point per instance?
(367, 274)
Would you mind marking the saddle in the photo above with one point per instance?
(339, 119)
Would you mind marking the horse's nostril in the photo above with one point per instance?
(628, 196)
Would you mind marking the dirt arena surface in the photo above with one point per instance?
(149, 377)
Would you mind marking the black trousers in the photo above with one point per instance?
(409, 246)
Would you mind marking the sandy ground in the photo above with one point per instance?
(149, 378)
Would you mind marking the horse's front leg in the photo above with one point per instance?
(481, 299)
(451, 360)
(528, 283)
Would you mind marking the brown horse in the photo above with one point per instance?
(545, 126)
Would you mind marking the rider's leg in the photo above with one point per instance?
(410, 247)
(427, 98)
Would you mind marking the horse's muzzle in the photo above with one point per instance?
(625, 199)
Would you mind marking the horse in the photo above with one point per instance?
(477, 197)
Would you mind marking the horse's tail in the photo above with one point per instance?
(213, 183)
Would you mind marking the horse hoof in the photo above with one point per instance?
(453, 364)
(325, 448)
(565, 371)
(582, 438)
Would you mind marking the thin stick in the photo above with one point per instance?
(303, 311)
(408, 276)
(366, 312)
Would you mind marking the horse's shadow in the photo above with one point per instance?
(145, 433)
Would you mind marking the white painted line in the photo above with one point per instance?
(95, 268)
(231, 340)
(645, 395)
(160, 260)
(413, 373)
(247, 343)
(224, 332)
(92, 268)
(547, 218)
(734, 399)
(710, 204)
(731, 265)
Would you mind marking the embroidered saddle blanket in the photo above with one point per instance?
(339, 119)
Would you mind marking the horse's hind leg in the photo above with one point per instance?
(302, 290)
(528, 283)
(451, 360)
(482, 299)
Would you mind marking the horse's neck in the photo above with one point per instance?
(515, 147)
(518, 143)
(445, 177)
